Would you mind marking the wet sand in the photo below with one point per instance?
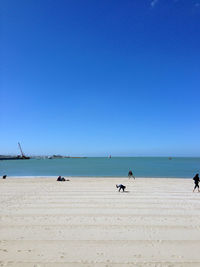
(87, 222)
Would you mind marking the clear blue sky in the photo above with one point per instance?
(100, 77)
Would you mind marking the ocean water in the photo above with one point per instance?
(97, 167)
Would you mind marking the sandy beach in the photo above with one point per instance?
(87, 222)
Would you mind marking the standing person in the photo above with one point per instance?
(130, 174)
(196, 182)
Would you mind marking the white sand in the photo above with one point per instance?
(86, 222)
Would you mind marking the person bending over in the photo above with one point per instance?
(196, 182)
(121, 186)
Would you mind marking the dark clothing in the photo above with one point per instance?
(130, 174)
(196, 181)
(61, 179)
(121, 186)
(196, 186)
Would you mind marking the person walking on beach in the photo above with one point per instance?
(121, 186)
(130, 174)
(196, 182)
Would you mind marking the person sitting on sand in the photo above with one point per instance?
(4, 176)
(60, 179)
(130, 174)
(196, 182)
(121, 186)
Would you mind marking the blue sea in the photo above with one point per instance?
(106, 167)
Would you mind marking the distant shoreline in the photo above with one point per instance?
(85, 157)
